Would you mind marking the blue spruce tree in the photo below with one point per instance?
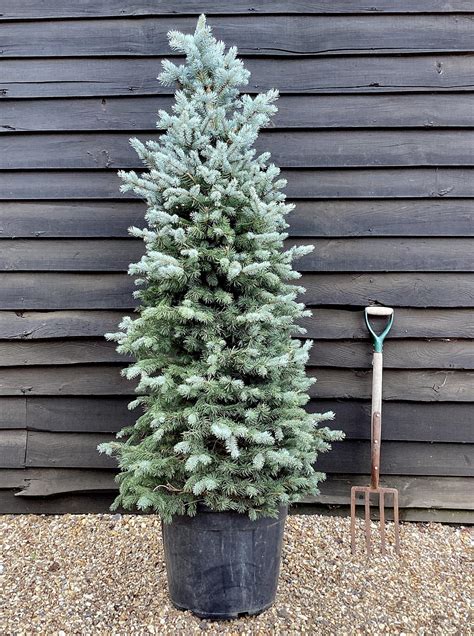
(221, 380)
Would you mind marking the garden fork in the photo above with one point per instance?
(376, 438)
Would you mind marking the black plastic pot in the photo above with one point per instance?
(222, 565)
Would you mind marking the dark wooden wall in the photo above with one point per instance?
(376, 137)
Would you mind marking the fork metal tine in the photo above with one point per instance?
(382, 520)
(381, 492)
(396, 521)
(368, 541)
(353, 514)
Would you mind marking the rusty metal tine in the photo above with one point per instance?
(367, 522)
(353, 511)
(382, 520)
(396, 521)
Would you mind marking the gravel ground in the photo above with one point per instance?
(104, 574)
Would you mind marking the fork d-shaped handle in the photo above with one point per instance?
(378, 339)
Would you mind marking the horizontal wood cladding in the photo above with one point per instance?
(12, 413)
(415, 110)
(99, 502)
(69, 255)
(397, 290)
(415, 492)
(415, 385)
(76, 450)
(50, 291)
(81, 414)
(324, 324)
(376, 183)
(53, 9)
(421, 385)
(71, 380)
(66, 291)
(40, 482)
(387, 255)
(407, 354)
(329, 255)
(12, 448)
(325, 218)
(295, 149)
(67, 414)
(403, 421)
(409, 323)
(74, 503)
(57, 324)
(374, 135)
(57, 352)
(297, 35)
(429, 217)
(83, 77)
(411, 458)
(71, 219)
(399, 354)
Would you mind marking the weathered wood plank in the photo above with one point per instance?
(71, 219)
(12, 413)
(422, 386)
(114, 291)
(401, 458)
(414, 492)
(57, 324)
(294, 111)
(324, 324)
(44, 482)
(395, 183)
(83, 77)
(73, 255)
(385, 255)
(70, 255)
(297, 35)
(402, 217)
(76, 450)
(335, 149)
(76, 503)
(79, 414)
(67, 450)
(326, 218)
(50, 291)
(404, 354)
(397, 290)
(329, 255)
(12, 448)
(455, 386)
(99, 503)
(68, 352)
(66, 291)
(402, 421)
(83, 380)
(419, 515)
(30, 10)
(409, 323)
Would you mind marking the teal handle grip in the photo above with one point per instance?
(378, 339)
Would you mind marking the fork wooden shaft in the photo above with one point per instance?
(376, 418)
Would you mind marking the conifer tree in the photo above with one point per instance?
(221, 379)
